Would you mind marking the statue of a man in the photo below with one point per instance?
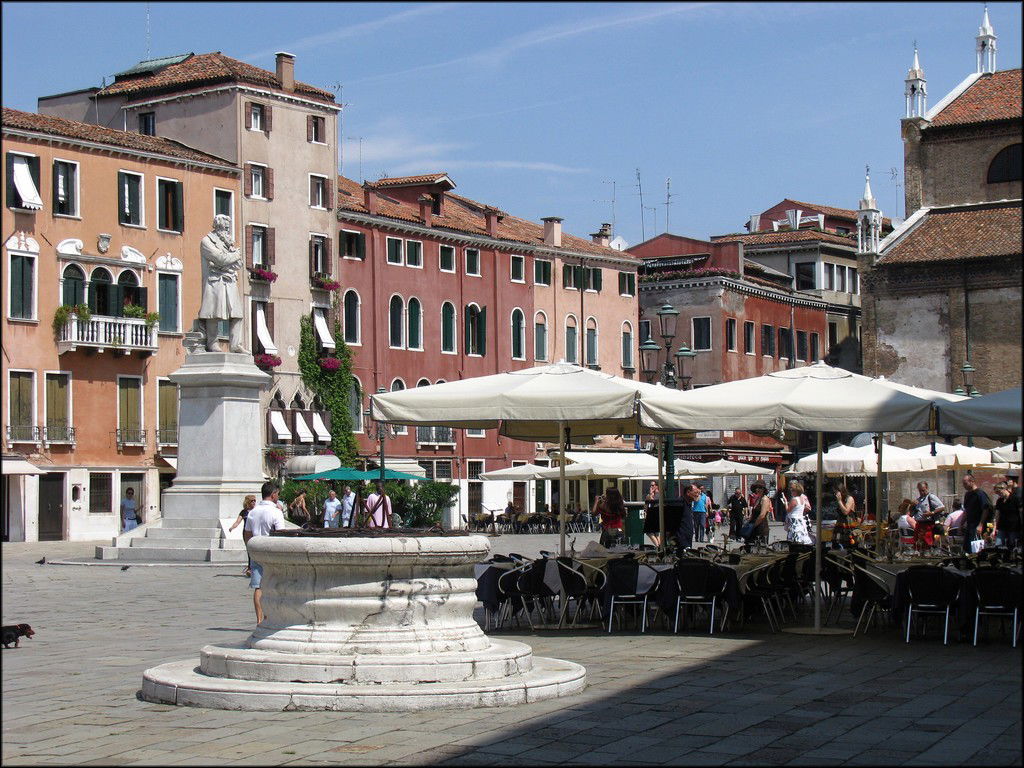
(221, 261)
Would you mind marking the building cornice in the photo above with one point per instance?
(740, 287)
(232, 87)
(52, 138)
(463, 238)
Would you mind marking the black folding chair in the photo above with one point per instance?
(931, 589)
(623, 575)
(999, 594)
(700, 582)
(874, 593)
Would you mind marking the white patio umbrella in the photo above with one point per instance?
(1009, 453)
(548, 402)
(719, 467)
(519, 473)
(815, 398)
(954, 456)
(847, 460)
(995, 415)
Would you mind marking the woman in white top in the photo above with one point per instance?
(796, 523)
(906, 522)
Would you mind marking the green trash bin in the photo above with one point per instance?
(634, 529)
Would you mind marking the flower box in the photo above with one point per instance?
(276, 457)
(262, 275)
(330, 363)
(324, 282)
(267, 361)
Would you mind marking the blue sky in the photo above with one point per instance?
(537, 108)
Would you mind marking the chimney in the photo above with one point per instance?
(754, 225)
(426, 205)
(603, 236)
(553, 231)
(492, 215)
(286, 70)
(369, 197)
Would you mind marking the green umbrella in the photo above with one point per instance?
(389, 474)
(339, 473)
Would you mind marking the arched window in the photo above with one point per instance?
(627, 345)
(397, 386)
(518, 334)
(415, 324)
(73, 288)
(592, 342)
(540, 336)
(423, 383)
(298, 403)
(448, 327)
(1005, 166)
(128, 288)
(277, 401)
(101, 292)
(355, 405)
(351, 317)
(396, 325)
(571, 340)
(476, 330)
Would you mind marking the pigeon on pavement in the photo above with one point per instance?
(41, 562)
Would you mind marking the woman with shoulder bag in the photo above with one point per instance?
(757, 526)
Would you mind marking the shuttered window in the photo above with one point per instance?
(446, 257)
(476, 330)
(170, 205)
(167, 412)
(21, 405)
(58, 417)
(168, 287)
(65, 188)
(129, 406)
(415, 324)
(129, 198)
(447, 327)
(540, 339)
(353, 245)
(73, 288)
(351, 317)
(571, 343)
(22, 286)
(518, 335)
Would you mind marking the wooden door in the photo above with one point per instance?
(51, 506)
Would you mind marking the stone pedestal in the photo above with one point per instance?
(219, 437)
(370, 624)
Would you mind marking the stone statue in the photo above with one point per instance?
(221, 262)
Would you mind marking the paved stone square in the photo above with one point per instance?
(751, 697)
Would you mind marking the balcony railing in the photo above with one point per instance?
(131, 437)
(435, 436)
(58, 433)
(22, 433)
(167, 436)
(117, 333)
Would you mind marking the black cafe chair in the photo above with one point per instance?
(999, 594)
(700, 582)
(623, 574)
(931, 589)
(873, 592)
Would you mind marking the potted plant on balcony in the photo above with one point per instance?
(63, 314)
(265, 361)
(276, 456)
(261, 275)
(329, 364)
(324, 282)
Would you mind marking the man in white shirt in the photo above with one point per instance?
(348, 506)
(331, 505)
(264, 518)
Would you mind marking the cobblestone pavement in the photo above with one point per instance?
(69, 694)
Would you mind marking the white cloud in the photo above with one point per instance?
(496, 54)
(351, 30)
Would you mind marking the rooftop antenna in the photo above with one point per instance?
(894, 177)
(668, 200)
(339, 90)
(639, 186)
(612, 201)
(148, 37)
(360, 140)
(653, 209)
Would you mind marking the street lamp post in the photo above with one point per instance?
(967, 371)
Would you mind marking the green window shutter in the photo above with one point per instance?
(56, 401)
(577, 277)
(167, 298)
(566, 276)
(21, 399)
(482, 325)
(115, 301)
(447, 328)
(168, 408)
(17, 288)
(129, 401)
(161, 206)
(468, 319)
(598, 279)
(179, 208)
(120, 198)
(361, 245)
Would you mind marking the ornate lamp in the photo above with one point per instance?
(649, 359)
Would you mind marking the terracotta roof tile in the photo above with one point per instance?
(397, 181)
(787, 236)
(462, 214)
(206, 69)
(959, 234)
(72, 129)
(991, 97)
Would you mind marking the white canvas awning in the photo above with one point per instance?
(302, 430)
(847, 460)
(170, 461)
(519, 473)
(322, 433)
(718, 467)
(24, 184)
(15, 465)
(323, 333)
(408, 466)
(281, 430)
(263, 331)
(309, 465)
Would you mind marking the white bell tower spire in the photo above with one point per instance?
(916, 89)
(869, 219)
(986, 46)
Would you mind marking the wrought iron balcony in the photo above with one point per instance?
(126, 334)
(435, 436)
(131, 437)
(58, 433)
(22, 433)
(167, 436)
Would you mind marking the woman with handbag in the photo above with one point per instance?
(760, 509)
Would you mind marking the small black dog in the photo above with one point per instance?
(15, 632)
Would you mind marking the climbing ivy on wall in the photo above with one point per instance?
(333, 387)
